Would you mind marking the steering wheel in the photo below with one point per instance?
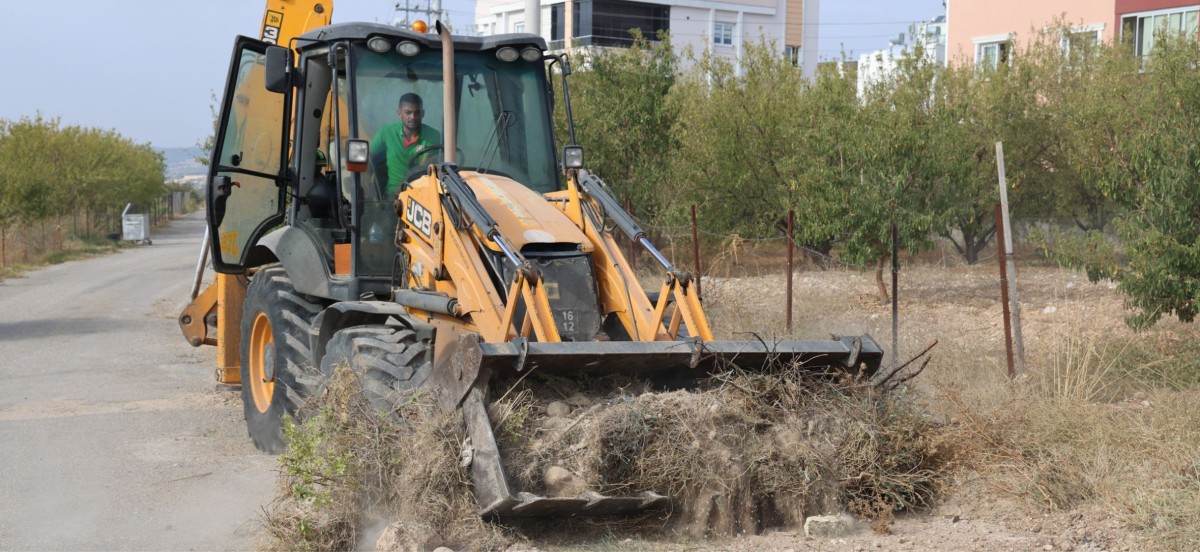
(417, 167)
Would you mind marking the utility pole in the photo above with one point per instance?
(412, 10)
(533, 17)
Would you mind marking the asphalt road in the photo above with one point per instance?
(113, 432)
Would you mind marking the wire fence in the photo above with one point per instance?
(709, 253)
(784, 244)
(732, 244)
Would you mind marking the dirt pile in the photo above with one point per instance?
(741, 453)
(737, 454)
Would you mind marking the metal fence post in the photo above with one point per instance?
(790, 245)
(1008, 345)
(696, 251)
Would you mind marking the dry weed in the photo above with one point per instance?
(349, 467)
(1085, 427)
(739, 453)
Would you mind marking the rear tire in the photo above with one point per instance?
(276, 361)
(386, 359)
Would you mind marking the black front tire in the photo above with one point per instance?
(386, 359)
(275, 357)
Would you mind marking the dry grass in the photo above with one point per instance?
(1085, 429)
(1107, 419)
(740, 453)
(53, 241)
(349, 469)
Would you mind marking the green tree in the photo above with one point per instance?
(32, 158)
(622, 119)
(47, 170)
(739, 155)
(209, 142)
(898, 182)
(1095, 103)
(1014, 103)
(1149, 165)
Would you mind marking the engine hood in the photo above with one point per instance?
(524, 216)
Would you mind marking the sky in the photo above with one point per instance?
(148, 69)
(862, 26)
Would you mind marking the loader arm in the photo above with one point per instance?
(622, 287)
(466, 220)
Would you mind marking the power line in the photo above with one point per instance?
(860, 24)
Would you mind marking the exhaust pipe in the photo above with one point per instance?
(449, 117)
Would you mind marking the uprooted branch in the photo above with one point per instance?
(891, 380)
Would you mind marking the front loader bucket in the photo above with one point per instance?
(852, 355)
(463, 374)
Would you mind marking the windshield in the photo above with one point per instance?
(503, 118)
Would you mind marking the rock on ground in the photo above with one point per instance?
(827, 526)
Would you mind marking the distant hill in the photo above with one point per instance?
(181, 162)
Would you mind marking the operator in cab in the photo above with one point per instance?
(395, 146)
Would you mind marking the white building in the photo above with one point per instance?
(721, 27)
(878, 66)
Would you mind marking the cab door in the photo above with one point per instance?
(246, 177)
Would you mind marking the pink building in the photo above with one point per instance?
(1141, 21)
(982, 31)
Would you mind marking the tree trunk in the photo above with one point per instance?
(970, 249)
(883, 291)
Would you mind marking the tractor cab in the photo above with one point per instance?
(343, 85)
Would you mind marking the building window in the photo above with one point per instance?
(612, 21)
(558, 23)
(792, 54)
(1140, 30)
(989, 55)
(723, 33)
(1081, 41)
(519, 27)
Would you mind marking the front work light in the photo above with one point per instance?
(507, 54)
(408, 48)
(573, 157)
(531, 54)
(357, 154)
(379, 45)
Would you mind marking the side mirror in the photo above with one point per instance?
(279, 69)
(573, 157)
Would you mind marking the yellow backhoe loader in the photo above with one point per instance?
(498, 253)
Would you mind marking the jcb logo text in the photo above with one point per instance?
(419, 217)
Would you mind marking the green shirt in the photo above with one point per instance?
(389, 142)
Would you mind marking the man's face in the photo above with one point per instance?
(411, 115)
